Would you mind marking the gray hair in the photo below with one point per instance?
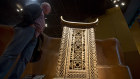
(45, 4)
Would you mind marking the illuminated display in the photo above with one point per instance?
(77, 56)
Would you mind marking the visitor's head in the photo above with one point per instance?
(46, 7)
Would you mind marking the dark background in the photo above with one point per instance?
(73, 10)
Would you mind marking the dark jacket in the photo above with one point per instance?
(30, 14)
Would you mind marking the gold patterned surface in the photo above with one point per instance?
(77, 56)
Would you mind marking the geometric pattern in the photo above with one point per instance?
(77, 56)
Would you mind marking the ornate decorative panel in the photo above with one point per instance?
(77, 56)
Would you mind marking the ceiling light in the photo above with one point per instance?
(18, 10)
(114, 1)
(21, 9)
(118, 0)
(46, 25)
(116, 5)
(122, 3)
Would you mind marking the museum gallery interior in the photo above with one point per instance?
(82, 39)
